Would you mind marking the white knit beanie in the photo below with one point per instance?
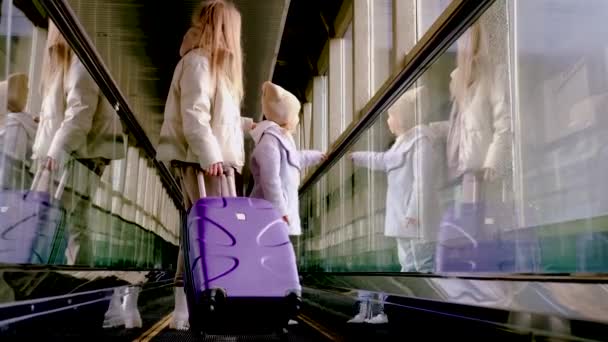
(279, 105)
(404, 108)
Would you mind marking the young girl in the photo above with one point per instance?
(203, 128)
(276, 163)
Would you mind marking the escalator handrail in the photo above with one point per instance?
(457, 17)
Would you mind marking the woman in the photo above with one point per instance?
(75, 121)
(202, 128)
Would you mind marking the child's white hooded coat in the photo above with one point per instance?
(276, 165)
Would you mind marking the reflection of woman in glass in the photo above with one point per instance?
(479, 135)
(478, 139)
(77, 121)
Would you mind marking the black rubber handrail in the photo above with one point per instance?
(69, 26)
(459, 15)
(574, 278)
(73, 268)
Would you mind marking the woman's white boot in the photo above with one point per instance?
(179, 321)
(113, 317)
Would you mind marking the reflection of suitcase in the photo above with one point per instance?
(464, 244)
(31, 225)
(241, 269)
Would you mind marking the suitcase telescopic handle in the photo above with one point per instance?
(62, 182)
(200, 177)
(227, 188)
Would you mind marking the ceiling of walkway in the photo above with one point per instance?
(309, 25)
(139, 42)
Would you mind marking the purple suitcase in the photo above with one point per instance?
(242, 265)
(462, 246)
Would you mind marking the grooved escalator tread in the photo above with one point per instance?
(175, 336)
(184, 336)
(301, 333)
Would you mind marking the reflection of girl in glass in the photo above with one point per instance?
(412, 165)
(75, 120)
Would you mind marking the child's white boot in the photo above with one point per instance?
(130, 312)
(363, 314)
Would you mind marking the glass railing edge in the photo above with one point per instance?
(447, 28)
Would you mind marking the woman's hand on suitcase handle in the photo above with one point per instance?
(215, 169)
(50, 164)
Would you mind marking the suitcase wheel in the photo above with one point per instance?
(282, 334)
(294, 302)
(212, 298)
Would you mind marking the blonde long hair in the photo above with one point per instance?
(471, 59)
(57, 57)
(220, 25)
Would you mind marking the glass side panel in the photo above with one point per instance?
(560, 79)
(492, 162)
(76, 189)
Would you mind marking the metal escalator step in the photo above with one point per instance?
(184, 336)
